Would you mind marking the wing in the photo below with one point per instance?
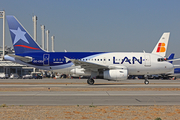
(176, 65)
(176, 59)
(87, 65)
(24, 59)
(93, 66)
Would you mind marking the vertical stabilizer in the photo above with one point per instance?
(161, 46)
(171, 57)
(21, 39)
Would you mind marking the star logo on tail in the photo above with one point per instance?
(19, 35)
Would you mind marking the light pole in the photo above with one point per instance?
(52, 38)
(42, 28)
(34, 18)
(35, 27)
(47, 33)
(2, 15)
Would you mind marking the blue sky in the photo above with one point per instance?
(100, 25)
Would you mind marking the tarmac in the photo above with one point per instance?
(102, 93)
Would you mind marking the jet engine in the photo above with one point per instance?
(116, 74)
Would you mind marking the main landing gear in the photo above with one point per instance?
(90, 81)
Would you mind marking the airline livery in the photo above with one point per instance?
(109, 65)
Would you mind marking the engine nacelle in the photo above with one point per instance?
(80, 71)
(116, 74)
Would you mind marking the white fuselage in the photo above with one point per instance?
(136, 63)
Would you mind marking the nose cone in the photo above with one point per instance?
(169, 66)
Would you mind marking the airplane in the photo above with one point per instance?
(176, 72)
(111, 65)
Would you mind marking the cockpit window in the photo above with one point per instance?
(162, 59)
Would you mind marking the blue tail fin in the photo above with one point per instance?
(171, 57)
(21, 39)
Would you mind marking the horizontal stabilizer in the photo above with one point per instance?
(24, 59)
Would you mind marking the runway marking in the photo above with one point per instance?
(137, 100)
(100, 93)
(40, 85)
(89, 95)
(107, 93)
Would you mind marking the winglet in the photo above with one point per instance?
(161, 46)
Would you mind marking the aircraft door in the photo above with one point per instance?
(147, 60)
(46, 59)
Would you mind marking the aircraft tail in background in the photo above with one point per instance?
(171, 57)
(161, 46)
(21, 39)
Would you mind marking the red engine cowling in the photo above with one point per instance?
(116, 74)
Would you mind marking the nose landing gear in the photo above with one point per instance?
(146, 81)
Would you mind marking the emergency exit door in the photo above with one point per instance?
(147, 61)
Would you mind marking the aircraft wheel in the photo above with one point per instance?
(146, 82)
(90, 81)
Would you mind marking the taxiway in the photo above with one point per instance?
(105, 97)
